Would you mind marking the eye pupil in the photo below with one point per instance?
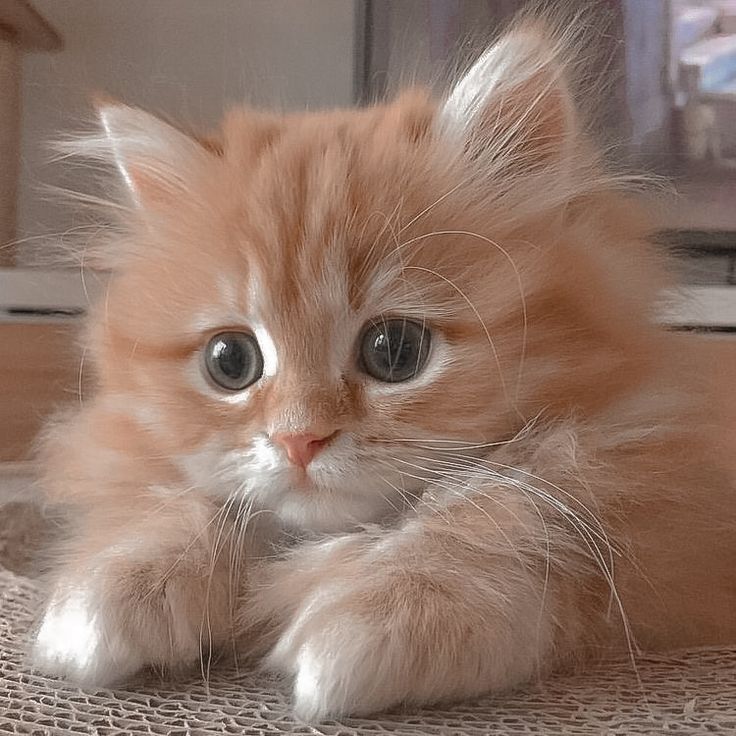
(234, 360)
(394, 350)
(230, 357)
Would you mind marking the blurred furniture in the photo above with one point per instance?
(21, 29)
(704, 44)
(39, 372)
(41, 366)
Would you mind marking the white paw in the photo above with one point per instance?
(74, 642)
(340, 665)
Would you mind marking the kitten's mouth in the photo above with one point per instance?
(309, 480)
(302, 480)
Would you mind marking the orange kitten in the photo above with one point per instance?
(381, 399)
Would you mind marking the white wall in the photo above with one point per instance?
(185, 58)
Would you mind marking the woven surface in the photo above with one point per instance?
(689, 693)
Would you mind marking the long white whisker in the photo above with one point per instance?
(431, 206)
(517, 274)
(481, 321)
(587, 533)
(206, 620)
(456, 489)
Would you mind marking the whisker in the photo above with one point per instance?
(206, 618)
(455, 489)
(481, 321)
(522, 434)
(587, 533)
(519, 281)
(474, 463)
(431, 206)
(167, 574)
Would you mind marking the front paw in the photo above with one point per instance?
(102, 631)
(76, 643)
(375, 623)
(341, 662)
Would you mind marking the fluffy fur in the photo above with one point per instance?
(550, 488)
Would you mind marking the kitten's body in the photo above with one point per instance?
(551, 486)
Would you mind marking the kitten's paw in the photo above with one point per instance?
(369, 621)
(74, 642)
(341, 664)
(106, 629)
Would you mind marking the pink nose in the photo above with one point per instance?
(303, 447)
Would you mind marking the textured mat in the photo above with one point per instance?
(688, 693)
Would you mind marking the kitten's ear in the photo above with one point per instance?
(513, 107)
(155, 159)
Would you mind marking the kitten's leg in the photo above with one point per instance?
(474, 596)
(149, 589)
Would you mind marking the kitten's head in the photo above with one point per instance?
(324, 312)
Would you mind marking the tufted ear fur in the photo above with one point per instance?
(513, 109)
(155, 159)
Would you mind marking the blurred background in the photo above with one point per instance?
(667, 105)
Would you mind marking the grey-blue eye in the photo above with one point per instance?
(233, 360)
(394, 350)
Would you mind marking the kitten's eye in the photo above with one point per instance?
(394, 350)
(233, 360)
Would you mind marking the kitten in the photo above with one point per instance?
(381, 400)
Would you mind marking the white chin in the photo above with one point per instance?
(331, 512)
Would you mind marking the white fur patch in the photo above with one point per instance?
(268, 350)
(68, 635)
(307, 683)
(71, 643)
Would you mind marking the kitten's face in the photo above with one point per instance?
(292, 338)
(320, 314)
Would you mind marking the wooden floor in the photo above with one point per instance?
(39, 372)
